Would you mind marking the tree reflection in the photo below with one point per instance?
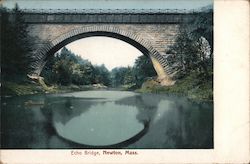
(146, 106)
(183, 124)
(64, 109)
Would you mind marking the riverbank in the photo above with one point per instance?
(16, 89)
(29, 88)
(190, 86)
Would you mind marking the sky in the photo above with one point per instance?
(103, 50)
(108, 4)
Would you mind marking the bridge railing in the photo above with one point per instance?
(101, 11)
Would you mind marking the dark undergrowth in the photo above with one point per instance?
(192, 86)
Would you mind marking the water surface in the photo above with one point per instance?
(105, 119)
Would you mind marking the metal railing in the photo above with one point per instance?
(97, 11)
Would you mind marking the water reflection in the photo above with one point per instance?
(106, 119)
(182, 124)
(94, 123)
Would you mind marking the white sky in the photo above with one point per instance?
(105, 50)
(108, 4)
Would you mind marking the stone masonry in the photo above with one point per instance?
(152, 33)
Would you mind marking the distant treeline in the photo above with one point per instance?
(65, 68)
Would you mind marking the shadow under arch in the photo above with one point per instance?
(42, 54)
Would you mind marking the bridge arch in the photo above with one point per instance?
(52, 46)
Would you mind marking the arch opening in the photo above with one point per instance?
(159, 63)
(67, 41)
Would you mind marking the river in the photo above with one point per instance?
(105, 119)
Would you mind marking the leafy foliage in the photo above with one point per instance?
(134, 76)
(192, 59)
(15, 45)
(67, 68)
(203, 26)
(193, 50)
(102, 75)
(121, 76)
(143, 69)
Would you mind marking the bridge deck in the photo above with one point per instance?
(108, 16)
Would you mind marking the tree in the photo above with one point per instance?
(15, 44)
(129, 76)
(64, 71)
(102, 75)
(192, 51)
(118, 75)
(143, 69)
(66, 68)
(66, 54)
(202, 26)
(83, 74)
(133, 76)
(48, 72)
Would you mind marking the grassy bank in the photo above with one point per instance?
(15, 89)
(191, 86)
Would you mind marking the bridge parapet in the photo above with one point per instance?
(152, 16)
(116, 11)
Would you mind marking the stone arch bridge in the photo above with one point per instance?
(150, 31)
